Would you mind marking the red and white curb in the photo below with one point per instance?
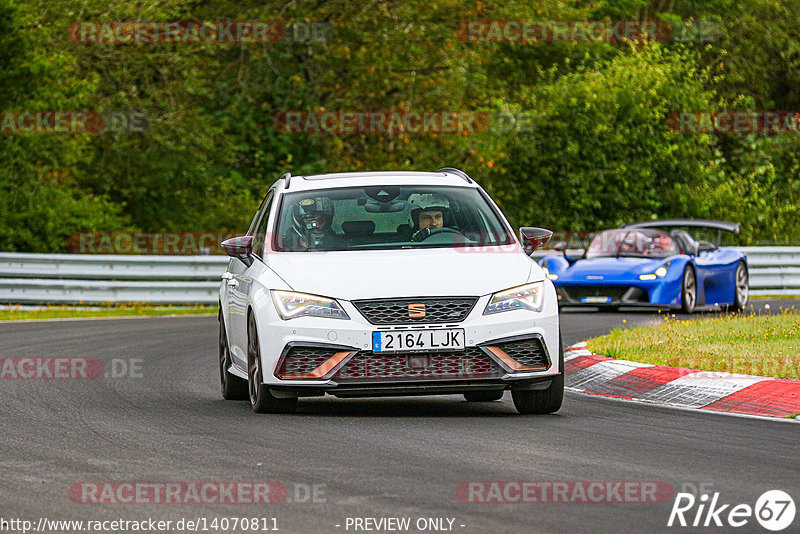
(594, 374)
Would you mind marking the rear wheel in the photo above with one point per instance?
(261, 399)
(483, 396)
(233, 387)
(689, 290)
(543, 401)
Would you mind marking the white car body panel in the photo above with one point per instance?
(405, 273)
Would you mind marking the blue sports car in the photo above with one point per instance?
(654, 263)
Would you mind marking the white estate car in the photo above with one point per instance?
(387, 283)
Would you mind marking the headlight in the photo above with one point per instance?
(291, 305)
(529, 297)
(548, 274)
(661, 272)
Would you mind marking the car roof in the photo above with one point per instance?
(361, 179)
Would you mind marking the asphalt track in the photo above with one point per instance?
(374, 457)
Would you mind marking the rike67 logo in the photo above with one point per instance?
(774, 510)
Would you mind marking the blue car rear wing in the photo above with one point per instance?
(696, 223)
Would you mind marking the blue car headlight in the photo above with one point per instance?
(291, 305)
(525, 297)
(548, 274)
(661, 272)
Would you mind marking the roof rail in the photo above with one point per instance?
(459, 172)
(288, 177)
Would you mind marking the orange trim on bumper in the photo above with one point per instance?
(513, 364)
(323, 369)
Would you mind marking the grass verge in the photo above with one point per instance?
(62, 312)
(764, 345)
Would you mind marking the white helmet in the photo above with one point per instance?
(427, 202)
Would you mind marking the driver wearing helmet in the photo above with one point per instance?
(311, 224)
(428, 213)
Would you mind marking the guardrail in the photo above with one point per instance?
(93, 278)
(96, 278)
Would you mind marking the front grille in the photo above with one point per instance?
(579, 292)
(527, 352)
(472, 363)
(302, 360)
(397, 311)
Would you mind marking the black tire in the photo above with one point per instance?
(741, 287)
(689, 290)
(543, 401)
(233, 387)
(261, 399)
(483, 396)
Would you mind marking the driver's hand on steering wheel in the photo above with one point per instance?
(421, 235)
(424, 233)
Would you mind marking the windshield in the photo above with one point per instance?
(649, 243)
(385, 217)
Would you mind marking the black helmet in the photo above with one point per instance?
(312, 218)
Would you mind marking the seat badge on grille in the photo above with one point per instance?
(416, 310)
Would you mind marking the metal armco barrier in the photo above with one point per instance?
(95, 278)
(773, 270)
(91, 279)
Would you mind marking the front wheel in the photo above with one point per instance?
(261, 399)
(688, 290)
(543, 401)
(233, 387)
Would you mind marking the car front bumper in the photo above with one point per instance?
(647, 293)
(334, 356)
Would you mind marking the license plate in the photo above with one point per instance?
(418, 340)
(596, 300)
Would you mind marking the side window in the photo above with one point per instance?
(260, 233)
(257, 216)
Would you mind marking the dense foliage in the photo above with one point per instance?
(590, 147)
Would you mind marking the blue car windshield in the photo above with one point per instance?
(636, 243)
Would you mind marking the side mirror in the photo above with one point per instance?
(561, 246)
(705, 246)
(533, 238)
(240, 247)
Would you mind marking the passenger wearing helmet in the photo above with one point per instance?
(311, 224)
(428, 213)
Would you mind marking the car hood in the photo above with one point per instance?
(610, 269)
(356, 275)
